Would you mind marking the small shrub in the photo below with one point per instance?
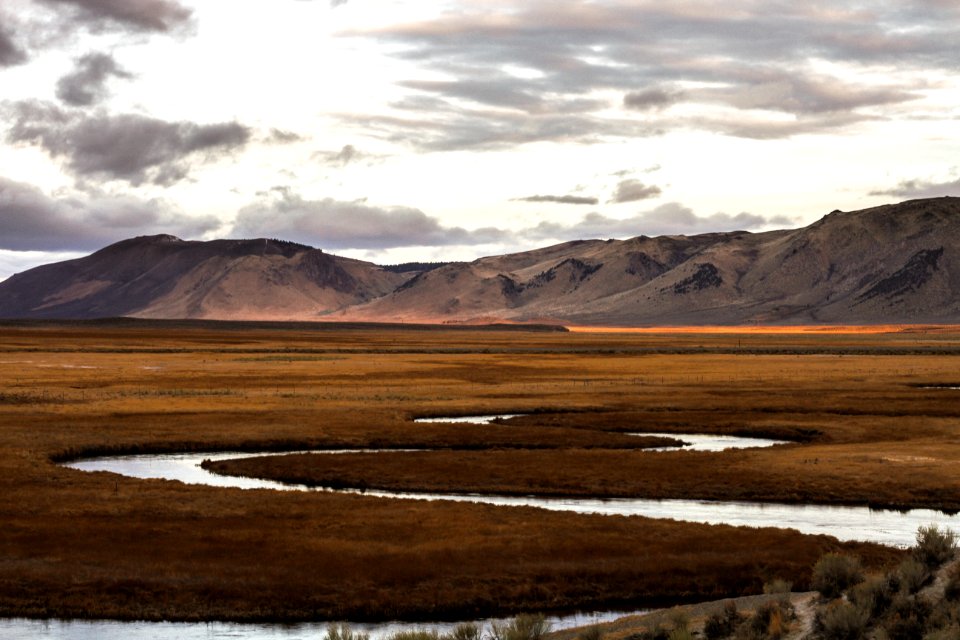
(872, 595)
(782, 589)
(778, 586)
(906, 618)
(913, 574)
(467, 631)
(841, 621)
(593, 632)
(657, 633)
(722, 624)
(416, 634)
(523, 627)
(951, 589)
(934, 546)
(834, 573)
(344, 632)
(943, 615)
(776, 625)
(768, 621)
(950, 633)
(679, 619)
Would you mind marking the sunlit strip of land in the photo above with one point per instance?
(772, 329)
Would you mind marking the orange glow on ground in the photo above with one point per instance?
(786, 330)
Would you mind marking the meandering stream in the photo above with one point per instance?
(846, 523)
(893, 528)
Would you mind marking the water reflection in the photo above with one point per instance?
(17, 628)
(489, 419)
(709, 442)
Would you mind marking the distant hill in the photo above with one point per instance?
(891, 264)
(896, 263)
(165, 277)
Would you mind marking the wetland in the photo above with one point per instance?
(864, 429)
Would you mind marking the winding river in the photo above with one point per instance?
(846, 523)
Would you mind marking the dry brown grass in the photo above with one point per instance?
(80, 545)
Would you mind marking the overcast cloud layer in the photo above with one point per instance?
(468, 127)
(761, 62)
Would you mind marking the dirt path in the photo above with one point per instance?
(804, 606)
(933, 592)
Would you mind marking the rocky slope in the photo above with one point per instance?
(895, 263)
(165, 277)
(891, 264)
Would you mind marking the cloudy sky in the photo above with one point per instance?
(395, 130)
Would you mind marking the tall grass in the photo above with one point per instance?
(344, 632)
(523, 627)
(90, 545)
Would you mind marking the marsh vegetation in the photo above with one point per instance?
(102, 546)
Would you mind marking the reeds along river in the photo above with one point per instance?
(846, 523)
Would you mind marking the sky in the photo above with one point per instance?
(396, 130)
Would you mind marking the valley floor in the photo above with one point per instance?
(872, 416)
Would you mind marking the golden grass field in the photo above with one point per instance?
(75, 544)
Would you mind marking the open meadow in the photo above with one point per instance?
(870, 415)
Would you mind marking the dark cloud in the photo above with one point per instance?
(560, 199)
(345, 155)
(56, 25)
(137, 15)
(129, 147)
(334, 224)
(33, 221)
(751, 63)
(921, 189)
(650, 99)
(633, 190)
(668, 219)
(87, 83)
(280, 136)
(10, 53)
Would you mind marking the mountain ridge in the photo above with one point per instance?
(893, 263)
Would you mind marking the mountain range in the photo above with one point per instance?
(897, 263)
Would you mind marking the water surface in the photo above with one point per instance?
(846, 523)
(20, 628)
(888, 527)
